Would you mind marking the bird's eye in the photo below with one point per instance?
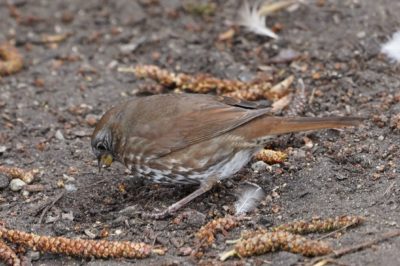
(101, 147)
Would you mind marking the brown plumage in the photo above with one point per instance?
(191, 138)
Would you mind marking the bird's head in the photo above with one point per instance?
(102, 147)
(103, 140)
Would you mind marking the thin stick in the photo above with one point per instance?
(50, 206)
(355, 248)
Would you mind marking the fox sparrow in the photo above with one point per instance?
(192, 138)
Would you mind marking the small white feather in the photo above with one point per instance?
(392, 47)
(248, 200)
(251, 18)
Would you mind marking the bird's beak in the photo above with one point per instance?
(105, 160)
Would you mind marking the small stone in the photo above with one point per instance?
(59, 135)
(361, 34)
(82, 133)
(91, 120)
(185, 251)
(17, 184)
(25, 193)
(70, 187)
(68, 179)
(4, 181)
(33, 255)
(3, 149)
(259, 166)
(68, 216)
(90, 234)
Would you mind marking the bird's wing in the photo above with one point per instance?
(200, 121)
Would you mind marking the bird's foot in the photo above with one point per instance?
(178, 205)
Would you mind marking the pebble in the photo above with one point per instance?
(17, 184)
(68, 178)
(33, 255)
(59, 135)
(70, 187)
(4, 181)
(259, 166)
(91, 120)
(3, 149)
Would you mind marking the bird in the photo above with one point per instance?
(185, 138)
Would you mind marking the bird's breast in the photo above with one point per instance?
(220, 158)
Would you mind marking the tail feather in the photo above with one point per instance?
(271, 125)
(296, 124)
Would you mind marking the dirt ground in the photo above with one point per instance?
(47, 112)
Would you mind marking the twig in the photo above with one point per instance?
(48, 207)
(355, 248)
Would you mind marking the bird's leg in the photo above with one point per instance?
(204, 187)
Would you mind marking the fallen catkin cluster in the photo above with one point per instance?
(279, 240)
(10, 60)
(318, 225)
(206, 234)
(8, 256)
(78, 247)
(287, 237)
(199, 83)
(202, 83)
(252, 93)
(271, 157)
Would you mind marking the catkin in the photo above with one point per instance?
(319, 225)
(77, 247)
(206, 234)
(280, 240)
(8, 256)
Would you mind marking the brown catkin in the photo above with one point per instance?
(10, 59)
(252, 93)
(280, 240)
(78, 247)
(199, 83)
(8, 256)
(271, 157)
(203, 83)
(319, 225)
(316, 225)
(206, 234)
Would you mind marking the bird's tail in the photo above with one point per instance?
(270, 125)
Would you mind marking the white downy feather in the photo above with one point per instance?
(248, 200)
(251, 18)
(392, 47)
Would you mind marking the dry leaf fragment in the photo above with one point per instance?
(10, 60)
(15, 172)
(282, 88)
(269, 8)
